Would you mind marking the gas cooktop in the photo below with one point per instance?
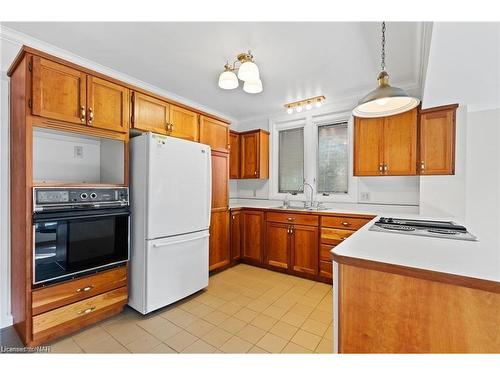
(428, 228)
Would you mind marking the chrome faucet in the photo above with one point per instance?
(311, 201)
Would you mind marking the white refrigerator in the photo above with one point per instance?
(170, 196)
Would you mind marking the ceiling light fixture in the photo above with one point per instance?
(306, 104)
(385, 100)
(248, 72)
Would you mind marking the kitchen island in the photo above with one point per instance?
(397, 293)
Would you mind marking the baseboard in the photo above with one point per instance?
(6, 321)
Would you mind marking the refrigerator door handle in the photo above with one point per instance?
(161, 244)
(209, 175)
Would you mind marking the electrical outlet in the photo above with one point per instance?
(364, 196)
(78, 152)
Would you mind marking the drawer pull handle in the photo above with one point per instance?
(86, 311)
(345, 223)
(291, 219)
(85, 289)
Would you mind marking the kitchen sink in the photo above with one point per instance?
(298, 208)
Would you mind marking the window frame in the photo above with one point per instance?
(297, 192)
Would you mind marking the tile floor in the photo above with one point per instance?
(244, 310)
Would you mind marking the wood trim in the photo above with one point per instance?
(438, 109)
(468, 282)
(25, 50)
(41, 122)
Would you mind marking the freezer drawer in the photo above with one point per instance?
(176, 267)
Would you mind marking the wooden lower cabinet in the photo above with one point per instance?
(304, 249)
(219, 255)
(253, 234)
(235, 235)
(277, 244)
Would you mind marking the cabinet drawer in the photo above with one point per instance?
(51, 297)
(326, 269)
(324, 252)
(292, 218)
(78, 310)
(334, 236)
(342, 222)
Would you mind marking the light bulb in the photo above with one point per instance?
(298, 108)
(289, 110)
(382, 101)
(308, 106)
(318, 104)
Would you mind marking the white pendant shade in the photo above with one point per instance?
(248, 71)
(253, 87)
(228, 80)
(386, 106)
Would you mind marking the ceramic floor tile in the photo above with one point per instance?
(321, 316)
(246, 315)
(329, 333)
(294, 319)
(144, 344)
(67, 345)
(272, 343)
(324, 346)
(230, 308)
(107, 345)
(275, 311)
(315, 327)
(199, 347)
(201, 310)
(264, 322)
(90, 336)
(217, 337)
(200, 327)
(216, 317)
(162, 349)
(125, 333)
(258, 305)
(161, 328)
(181, 341)
(232, 325)
(183, 320)
(301, 309)
(256, 350)
(292, 348)
(284, 330)
(251, 333)
(236, 345)
(306, 339)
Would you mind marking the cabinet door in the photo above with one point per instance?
(108, 105)
(58, 91)
(150, 114)
(219, 240)
(252, 235)
(437, 142)
(250, 155)
(304, 249)
(220, 180)
(368, 146)
(234, 155)
(277, 244)
(214, 133)
(235, 235)
(400, 144)
(184, 124)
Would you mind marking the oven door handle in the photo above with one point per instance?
(41, 218)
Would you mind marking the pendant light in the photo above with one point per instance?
(385, 100)
(248, 72)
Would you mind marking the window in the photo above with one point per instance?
(291, 160)
(333, 158)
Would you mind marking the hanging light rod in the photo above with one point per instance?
(307, 104)
(385, 100)
(248, 72)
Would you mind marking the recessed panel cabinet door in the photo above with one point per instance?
(252, 241)
(234, 155)
(400, 144)
(220, 180)
(250, 155)
(219, 240)
(214, 133)
(151, 114)
(184, 124)
(108, 105)
(236, 235)
(368, 146)
(277, 244)
(304, 249)
(58, 91)
(437, 142)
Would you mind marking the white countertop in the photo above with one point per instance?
(475, 259)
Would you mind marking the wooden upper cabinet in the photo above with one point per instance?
(58, 91)
(214, 133)
(386, 146)
(220, 180)
(400, 144)
(234, 155)
(108, 105)
(277, 244)
(437, 140)
(368, 146)
(150, 114)
(219, 254)
(253, 231)
(254, 154)
(184, 124)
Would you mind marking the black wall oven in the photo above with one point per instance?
(77, 231)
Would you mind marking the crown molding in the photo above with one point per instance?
(20, 39)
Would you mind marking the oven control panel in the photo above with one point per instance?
(92, 197)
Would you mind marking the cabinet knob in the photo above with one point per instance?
(291, 219)
(346, 223)
(82, 113)
(422, 165)
(380, 168)
(91, 115)
(386, 168)
(255, 173)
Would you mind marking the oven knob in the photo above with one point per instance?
(83, 195)
(93, 195)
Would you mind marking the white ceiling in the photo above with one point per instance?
(296, 60)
